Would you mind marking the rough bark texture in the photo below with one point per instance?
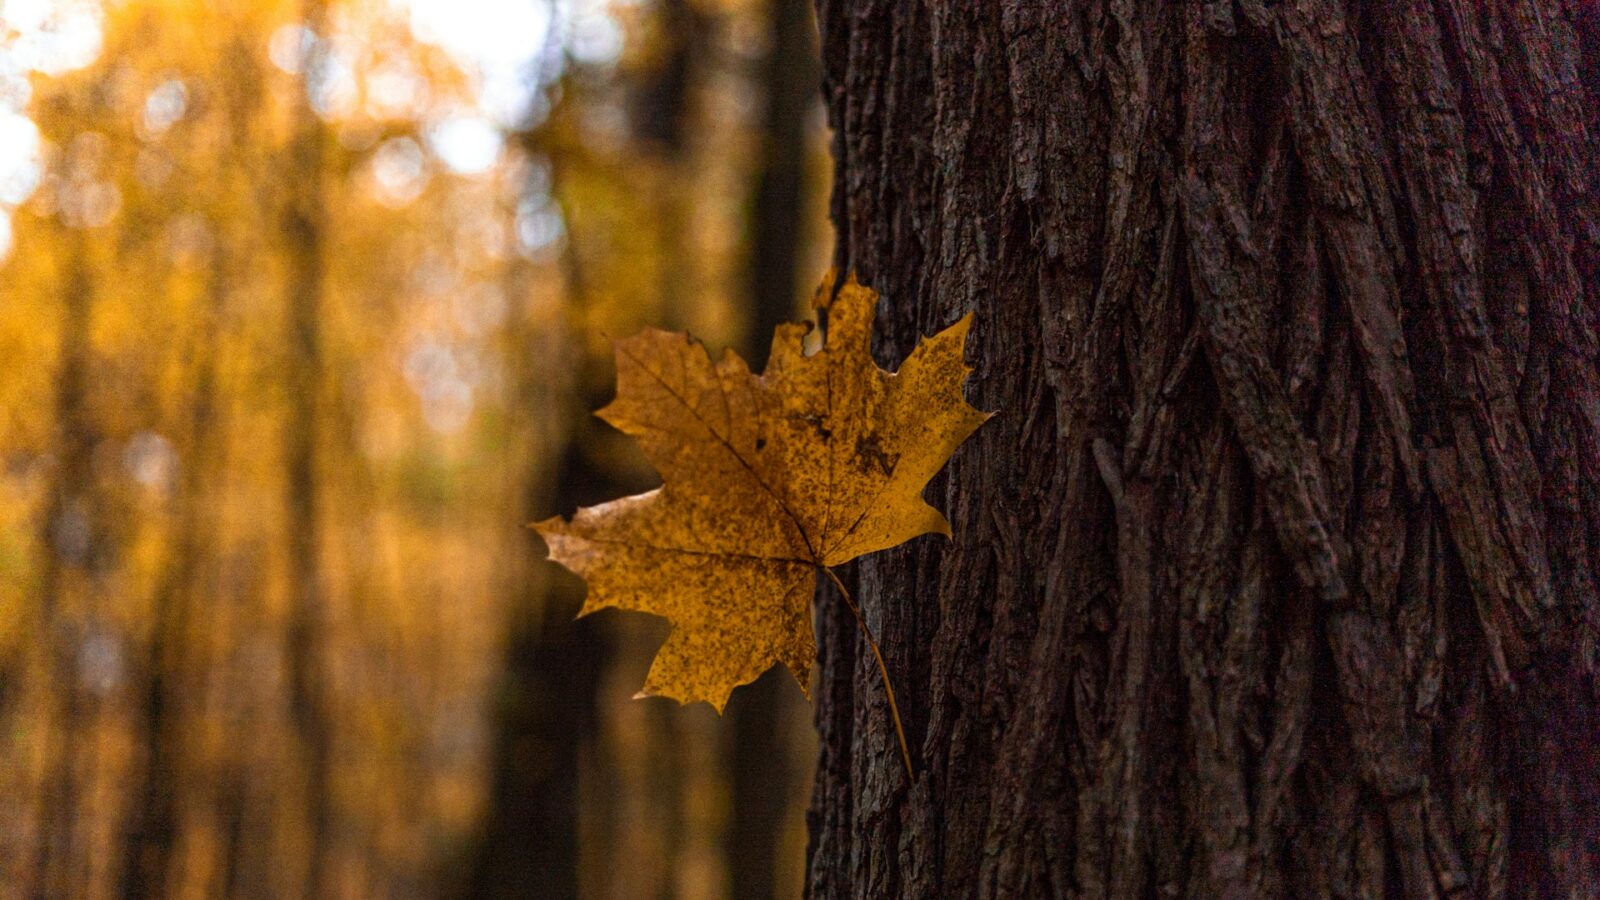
(1276, 574)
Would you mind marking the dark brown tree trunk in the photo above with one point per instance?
(75, 554)
(1276, 574)
(305, 220)
(778, 205)
(545, 711)
(168, 678)
(546, 715)
(760, 777)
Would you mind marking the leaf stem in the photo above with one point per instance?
(888, 688)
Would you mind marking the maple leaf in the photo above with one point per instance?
(766, 479)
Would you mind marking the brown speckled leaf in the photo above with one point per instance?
(821, 459)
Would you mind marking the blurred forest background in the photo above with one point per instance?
(304, 307)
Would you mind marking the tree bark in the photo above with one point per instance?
(1276, 573)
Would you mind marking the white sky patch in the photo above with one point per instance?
(15, 89)
(331, 84)
(596, 38)
(51, 36)
(165, 106)
(289, 46)
(151, 460)
(538, 228)
(494, 34)
(466, 144)
(27, 15)
(398, 171)
(510, 47)
(396, 89)
(20, 149)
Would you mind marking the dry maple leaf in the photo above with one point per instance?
(766, 478)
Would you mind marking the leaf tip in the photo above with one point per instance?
(547, 527)
(823, 298)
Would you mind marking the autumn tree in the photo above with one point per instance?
(657, 230)
(759, 777)
(303, 224)
(83, 531)
(171, 663)
(243, 585)
(1276, 573)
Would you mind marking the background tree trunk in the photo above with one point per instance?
(75, 553)
(1276, 574)
(547, 711)
(168, 676)
(760, 779)
(305, 221)
(173, 667)
(545, 718)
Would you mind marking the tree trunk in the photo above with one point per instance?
(168, 680)
(760, 779)
(305, 220)
(1276, 574)
(75, 554)
(171, 678)
(545, 714)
